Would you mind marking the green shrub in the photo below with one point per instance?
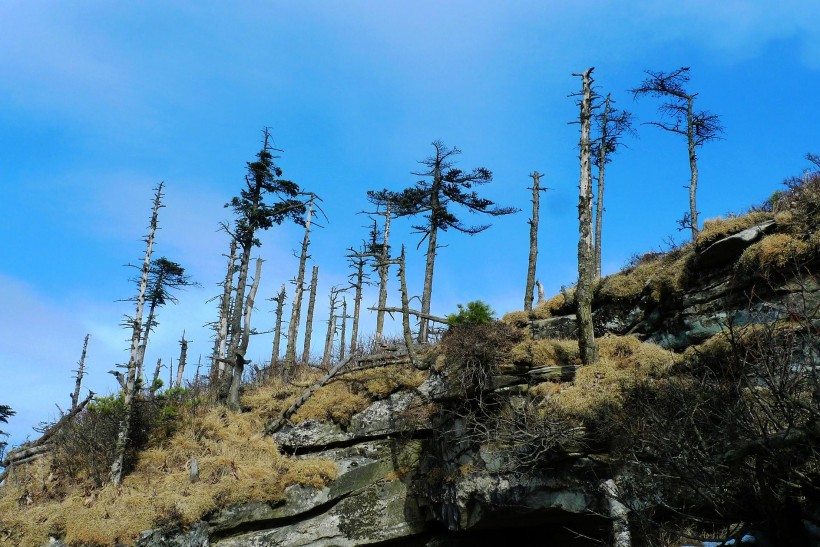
(476, 313)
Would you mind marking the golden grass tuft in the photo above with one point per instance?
(774, 252)
(657, 275)
(545, 390)
(518, 319)
(559, 304)
(536, 353)
(718, 228)
(237, 464)
(624, 361)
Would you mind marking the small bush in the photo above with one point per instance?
(476, 313)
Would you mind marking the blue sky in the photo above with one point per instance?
(99, 101)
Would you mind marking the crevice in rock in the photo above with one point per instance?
(291, 450)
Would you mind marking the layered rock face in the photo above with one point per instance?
(410, 472)
(405, 477)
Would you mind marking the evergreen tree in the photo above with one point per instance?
(435, 197)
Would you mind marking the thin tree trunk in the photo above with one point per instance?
(583, 293)
(405, 306)
(136, 330)
(693, 167)
(239, 353)
(152, 308)
(198, 366)
(277, 332)
(296, 308)
(183, 358)
(533, 258)
(384, 271)
(331, 328)
(75, 397)
(314, 281)
(221, 338)
(599, 202)
(343, 333)
(357, 303)
(432, 240)
(156, 374)
(232, 356)
(428, 284)
(540, 287)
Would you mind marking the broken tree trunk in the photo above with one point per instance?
(331, 328)
(277, 329)
(183, 358)
(314, 280)
(533, 257)
(75, 397)
(299, 282)
(343, 332)
(603, 144)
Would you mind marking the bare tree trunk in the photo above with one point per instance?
(618, 514)
(405, 306)
(432, 241)
(183, 358)
(277, 331)
(384, 270)
(533, 258)
(599, 202)
(331, 327)
(133, 362)
(75, 397)
(156, 374)
(198, 366)
(540, 287)
(358, 284)
(583, 293)
(428, 284)
(343, 333)
(236, 333)
(239, 353)
(296, 308)
(221, 338)
(693, 167)
(314, 281)
(152, 308)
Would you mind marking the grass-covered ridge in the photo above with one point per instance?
(236, 464)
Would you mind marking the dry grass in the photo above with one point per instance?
(236, 464)
(517, 319)
(536, 353)
(657, 276)
(718, 228)
(560, 304)
(624, 360)
(775, 252)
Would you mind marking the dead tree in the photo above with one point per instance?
(154, 385)
(136, 332)
(299, 282)
(223, 323)
(540, 289)
(314, 283)
(242, 348)
(358, 279)
(343, 333)
(533, 222)
(698, 127)
(434, 198)
(380, 252)
(331, 326)
(583, 293)
(183, 358)
(279, 299)
(611, 125)
(75, 397)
